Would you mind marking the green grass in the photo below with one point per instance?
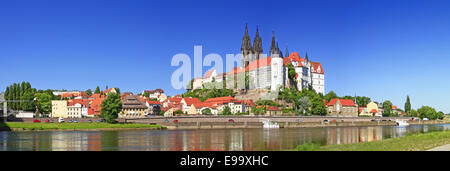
(410, 142)
(81, 125)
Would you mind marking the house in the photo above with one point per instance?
(59, 109)
(78, 108)
(154, 107)
(370, 110)
(342, 107)
(153, 94)
(75, 95)
(133, 107)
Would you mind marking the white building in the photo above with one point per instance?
(271, 72)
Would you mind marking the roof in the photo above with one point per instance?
(132, 102)
(263, 62)
(316, 66)
(83, 102)
(190, 100)
(220, 99)
(203, 104)
(209, 73)
(82, 94)
(249, 103)
(344, 102)
(373, 111)
(153, 102)
(394, 107)
(154, 91)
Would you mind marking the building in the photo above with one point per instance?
(59, 108)
(153, 94)
(78, 108)
(154, 107)
(342, 107)
(269, 72)
(370, 110)
(133, 107)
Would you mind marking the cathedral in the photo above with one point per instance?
(271, 72)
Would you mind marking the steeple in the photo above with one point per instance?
(306, 56)
(257, 43)
(246, 44)
(273, 47)
(287, 52)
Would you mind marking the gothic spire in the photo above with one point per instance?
(257, 42)
(273, 48)
(246, 44)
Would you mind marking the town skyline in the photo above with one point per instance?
(383, 54)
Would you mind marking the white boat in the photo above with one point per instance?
(402, 123)
(268, 124)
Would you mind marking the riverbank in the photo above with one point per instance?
(410, 142)
(21, 126)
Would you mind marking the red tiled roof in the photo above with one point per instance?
(220, 99)
(344, 102)
(154, 91)
(82, 94)
(394, 107)
(153, 102)
(208, 74)
(83, 102)
(249, 103)
(315, 66)
(190, 100)
(203, 104)
(373, 111)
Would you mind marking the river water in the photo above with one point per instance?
(204, 139)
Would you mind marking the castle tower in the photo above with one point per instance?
(246, 49)
(277, 69)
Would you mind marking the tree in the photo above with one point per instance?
(44, 103)
(330, 95)
(97, 90)
(427, 112)
(226, 111)
(146, 94)
(407, 105)
(89, 92)
(178, 112)
(362, 101)
(303, 104)
(387, 108)
(206, 111)
(318, 107)
(111, 107)
(28, 101)
(413, 113)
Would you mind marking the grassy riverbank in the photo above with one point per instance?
(75, 126)
(410, 142)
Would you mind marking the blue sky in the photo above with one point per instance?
(381, 49)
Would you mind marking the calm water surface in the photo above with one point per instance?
(214, 139)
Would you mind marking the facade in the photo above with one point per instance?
(133, 107)
(370, 110)
(59, 108)
(153, 94)
(270, 72)
(154, 107)
(342, 107)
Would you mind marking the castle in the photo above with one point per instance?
(270, 72)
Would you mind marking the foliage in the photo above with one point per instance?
(89, 92)
(28, 103)
(146, 94)
(178, 112)
(430, 113)
(303, 104)
(387, 108)
(111, 107)
(80, 125)
(318, 107)
(20, 91)
(206, 111)
(413, 113)
(44, 103)
(226, 111)
(291, 72)
(330, 95)
(266, 102)
(362, 100)
(203, 94)
(407, 105)
(97, 90)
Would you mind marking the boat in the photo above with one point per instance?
(402, 123)
(268, 124)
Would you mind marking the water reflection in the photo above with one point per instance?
(216, 140)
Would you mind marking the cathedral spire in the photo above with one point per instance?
(257, 43)
(273, 47)
(306, 56)
(246, 44)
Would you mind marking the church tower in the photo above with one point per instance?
(257, 45)
(277, 69)
(246, 49)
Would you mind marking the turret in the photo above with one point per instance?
(257, 44)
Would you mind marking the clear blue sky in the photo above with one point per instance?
(381, 49)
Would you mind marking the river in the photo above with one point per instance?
(201, 139)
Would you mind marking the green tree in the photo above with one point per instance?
(427, 112)
(44, 103)
(178, 112)
(206, 111)
(111, 107)
(362, 101)
(28, 101)
(226, 111)
(413, 113)
(302, 105)
(89, 92)
(97, 90)
(146, 94)
(291, 72)
(330, 95)
(387, 108)
(318, 107)
(407, 105)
